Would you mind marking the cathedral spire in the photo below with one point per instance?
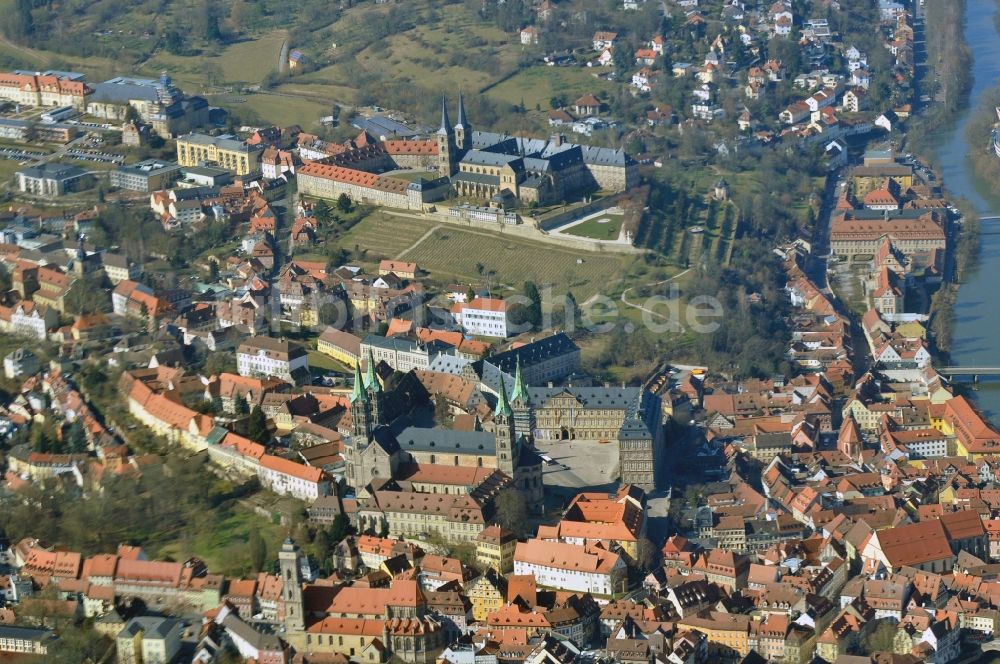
(503, 406)
(358, 391)
(520, 391)
(371, 380)
(461, 111)
(445, 123)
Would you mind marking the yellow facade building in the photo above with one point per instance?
(222, 151)
(728, 634)
(341, 346)
(495, 549)
(487, 594)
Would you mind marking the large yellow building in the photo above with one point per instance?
(487, 594)
(341, 346)
(728, 634)
(222, 151)
(495, 549)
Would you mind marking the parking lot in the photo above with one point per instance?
(95, 155)
(20, 155)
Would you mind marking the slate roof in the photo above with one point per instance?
(530, 354)
(483, 158)
(479, 178)
(414, 439)
(494, 143)
(122, 89)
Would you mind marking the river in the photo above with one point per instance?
(977, 313)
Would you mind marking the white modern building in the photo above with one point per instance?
(52, 179)
(484, 317)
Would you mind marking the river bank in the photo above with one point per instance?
(975, 313)
(979, 136)
(948, 79)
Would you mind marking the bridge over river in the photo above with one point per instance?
(968, 372)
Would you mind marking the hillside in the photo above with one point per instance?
(393, 55)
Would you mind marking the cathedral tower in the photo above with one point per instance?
(507, 438)
(361, 411)
(289, 558)
(463, 130)
(524, 419)
(446, 143)
(376, 395)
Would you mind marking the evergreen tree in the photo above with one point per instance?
(338, 529)
(41, 441)
(257, 426)
(76, 438)
(322, 212)
(173, 41)
(535, 308)
(322, 550)
(258, 551)
(240, 406)
(344, 203)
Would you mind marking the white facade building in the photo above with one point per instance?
(484, 316)
(288, 478)
(266, 356)
(570, 567)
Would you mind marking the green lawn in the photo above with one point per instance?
(7, 169)
(223, 546)
(326, 363)
(413, 176)
(246, 62)
(448, 47)
(452, 253)
(537, 85)
(594, 228)
(277, 110)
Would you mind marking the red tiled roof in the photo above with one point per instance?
(354, 176)
(286, 467)
(914, 543)
(428, 147)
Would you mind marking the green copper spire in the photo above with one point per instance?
(520, 391)
(358, 392)
(371, 381)
(503, 407)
